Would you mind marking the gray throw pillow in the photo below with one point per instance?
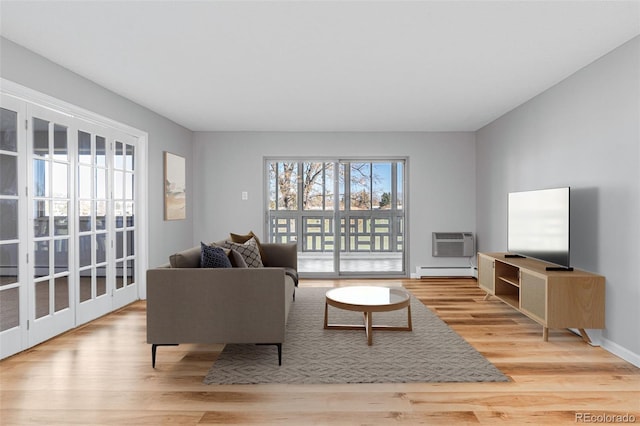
(249, 252)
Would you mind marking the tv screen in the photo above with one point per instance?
(538, 225)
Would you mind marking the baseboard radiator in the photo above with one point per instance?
(445, 271)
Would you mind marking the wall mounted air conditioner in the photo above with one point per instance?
(452, 244)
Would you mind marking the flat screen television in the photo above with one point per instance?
(538, 225)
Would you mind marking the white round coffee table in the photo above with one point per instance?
(367, 299)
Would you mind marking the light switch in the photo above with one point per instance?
(245, 195)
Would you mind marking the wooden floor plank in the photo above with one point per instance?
(101, 374)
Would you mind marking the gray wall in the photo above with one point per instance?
(35, 72)
(584, 133)
(441, 179)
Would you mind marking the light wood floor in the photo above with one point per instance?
(101, 374)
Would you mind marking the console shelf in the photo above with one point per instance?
(554, 299)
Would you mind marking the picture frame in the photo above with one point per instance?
(175, 182)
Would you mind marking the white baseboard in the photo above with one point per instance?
(620, 351)
(609, 346)
(444, 271)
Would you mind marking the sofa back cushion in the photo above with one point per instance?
(189, 258)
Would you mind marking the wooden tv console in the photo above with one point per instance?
(554, 299)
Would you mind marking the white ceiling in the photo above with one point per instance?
(323, 65)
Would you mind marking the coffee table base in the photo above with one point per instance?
(368, 324)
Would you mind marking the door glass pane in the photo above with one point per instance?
(360, 186)
(101, 281)
(129, 213)
(84, 211)
(129, 162)
(40, 178)
(8, 130)
(60, 180)
(130, 272)
(61, 288)
(41, 259)
(61, 217)
(8, 174)
(119, 213)
(118, 156)
(84, 182)
(84, 147)
(101, 215)
(40, 137)
(60, 142)
(118, 189)
(101, 184)
(101, 248)
(42, 299)
(129, 186)
(329, 181)
(313, 186)
(400, 187)
(342, 187)
(120, 274)
(8, 264)
(130, 245)
(287, 186)
(8, 219)
(119, 244)
(101, 151)
(9, 308)
(382, 186)
(61, 255)
(41, 218)
(85, 250)
(85, 285)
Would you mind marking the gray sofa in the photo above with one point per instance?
(189, 304)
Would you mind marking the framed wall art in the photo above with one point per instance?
(175, 182)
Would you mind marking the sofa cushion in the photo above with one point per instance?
(213, 257)
(238, 238)
(189, 258)
(249, 251)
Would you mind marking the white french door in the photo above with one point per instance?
(13, 241)
(69, 246)
(50, 142)
(124, 221)
(93, 217)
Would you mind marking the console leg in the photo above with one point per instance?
(585, 336)
(545, 334)
(486, 296)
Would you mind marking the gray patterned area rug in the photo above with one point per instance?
(432, 352)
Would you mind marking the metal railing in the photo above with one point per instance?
(360, 231)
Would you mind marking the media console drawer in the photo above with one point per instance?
(554, 299)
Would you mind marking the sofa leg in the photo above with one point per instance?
(154, 347)
(279, 345)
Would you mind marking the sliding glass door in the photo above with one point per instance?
(346, 216)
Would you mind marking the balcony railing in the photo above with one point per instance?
(372, 242)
